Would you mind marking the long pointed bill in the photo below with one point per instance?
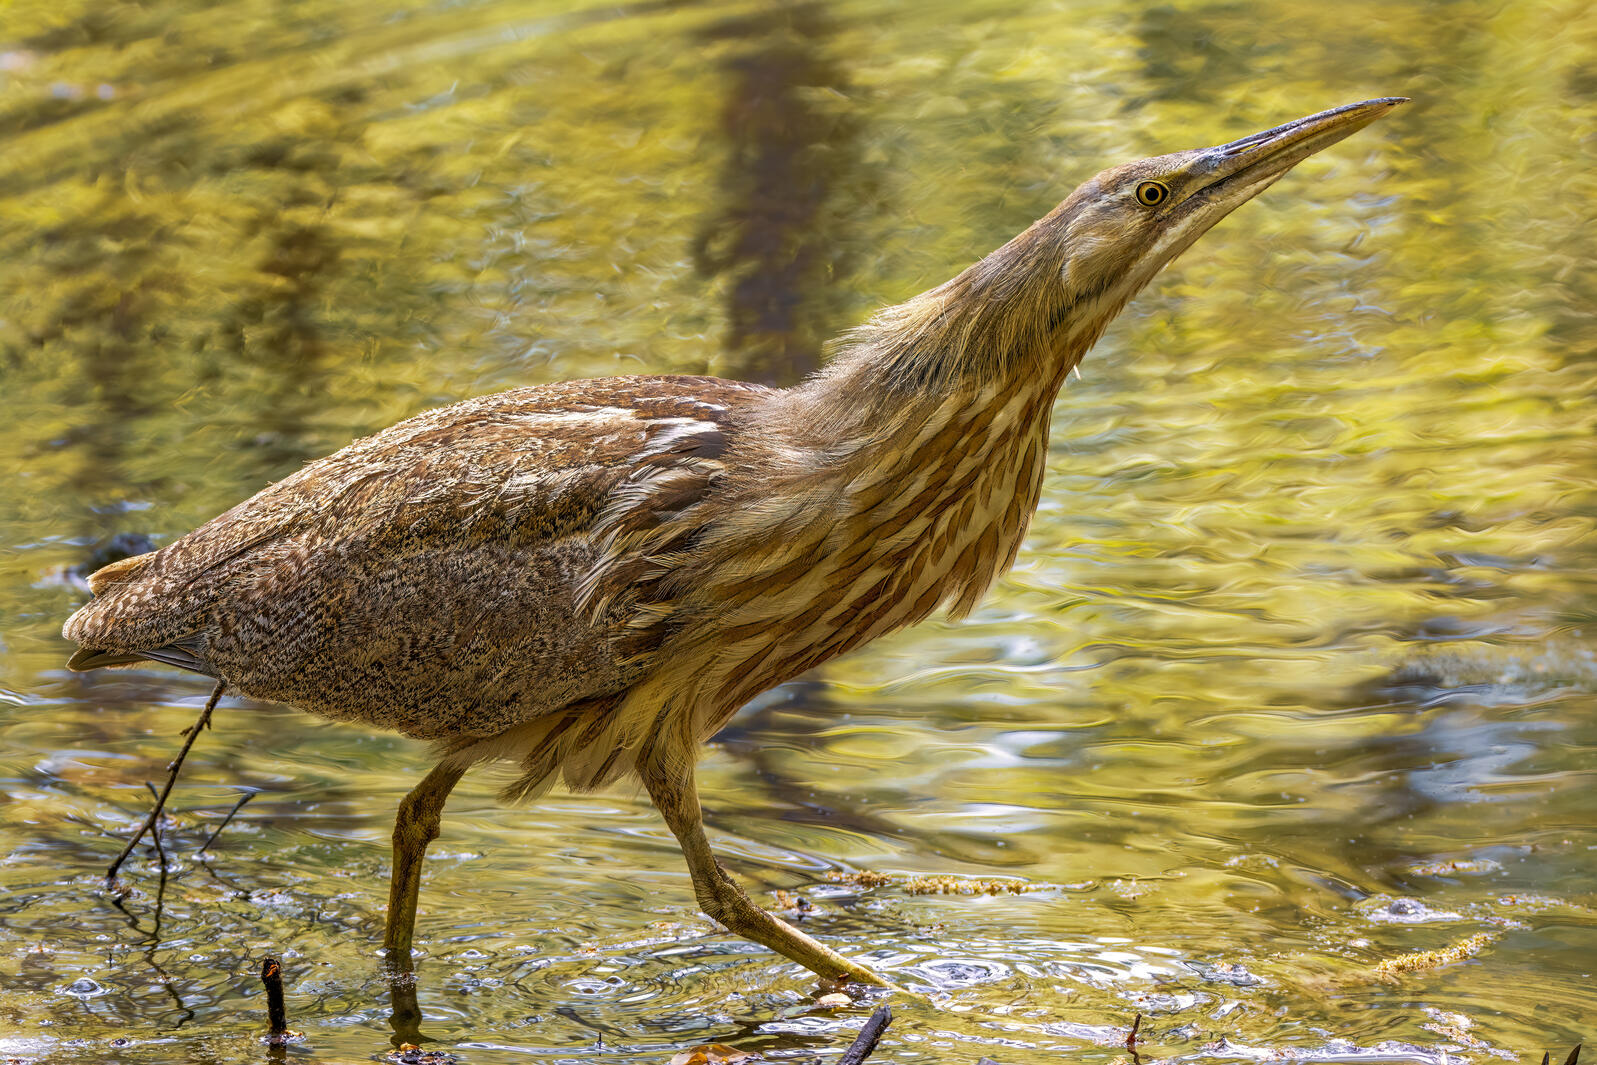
(1233, 173)
(1213, 182)
(1253, 162)
(1097, 250)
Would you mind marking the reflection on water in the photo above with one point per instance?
(1294, 678)
(782, 229)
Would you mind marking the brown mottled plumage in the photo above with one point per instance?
(589, 578)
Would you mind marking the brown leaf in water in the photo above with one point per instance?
(709, 1054)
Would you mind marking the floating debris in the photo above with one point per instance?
(1405, 911)
(860, 878)
(709, 1054)
(411, 1054)
(1422, 960)
(1224, 972)
(1457, 867)
(938, 885)
(959, 885)
(1456, 1027)
(793, 903)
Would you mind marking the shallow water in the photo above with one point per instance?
(1295, 676)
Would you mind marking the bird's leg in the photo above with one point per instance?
(404, 1015)
(415, 826)
(677, 797)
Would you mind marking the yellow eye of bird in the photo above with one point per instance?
(1152, 193)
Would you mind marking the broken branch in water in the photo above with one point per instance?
(276, 1013)
(869, 1036)
(190, 735)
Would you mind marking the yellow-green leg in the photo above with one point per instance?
(677, 798)
(415, 826)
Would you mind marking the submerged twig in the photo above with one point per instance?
(869, 1036)
(190, 735)
(1131, 1036)
(247, 796)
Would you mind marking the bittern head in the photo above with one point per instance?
(1126, 224)
(1041, 300)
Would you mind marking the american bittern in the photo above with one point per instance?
(590, 578)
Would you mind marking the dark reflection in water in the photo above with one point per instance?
(790, 191)
(277, 326)
(1195, 54)
(1295, 676)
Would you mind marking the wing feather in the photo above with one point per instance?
(608, 460)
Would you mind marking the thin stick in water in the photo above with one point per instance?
(247, 796)
(191, 734)
(155, 830)
(869, 1036)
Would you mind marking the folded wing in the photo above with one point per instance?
(428, 578)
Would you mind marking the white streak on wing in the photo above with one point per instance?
(672, 431)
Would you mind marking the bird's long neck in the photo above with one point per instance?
(1008, 318)
(908, 471)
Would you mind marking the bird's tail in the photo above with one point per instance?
(87, 658)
